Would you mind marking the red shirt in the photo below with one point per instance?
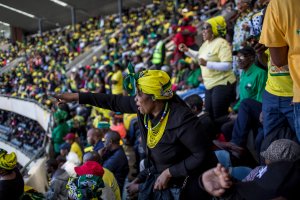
(188, 39)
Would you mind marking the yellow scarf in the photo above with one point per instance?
(155, 82)
(218, 25)
(7, 161)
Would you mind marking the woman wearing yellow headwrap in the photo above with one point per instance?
(169, 132)
(11, 181)
(215, 59)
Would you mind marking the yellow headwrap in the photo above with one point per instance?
(218, 25)
(155, 82)
(7, 161)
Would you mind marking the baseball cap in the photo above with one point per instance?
(282, 150)
(90, 167)
(70, 136)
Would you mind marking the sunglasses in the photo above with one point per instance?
(206, 27)
(243, 57)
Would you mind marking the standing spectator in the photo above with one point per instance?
(281, 34)
(186, 35)
(277, 108)
(11, 181)
(117, 80)
(177, 151)
(60, 130)
(215, 61)
(159, 53)
(242, 25)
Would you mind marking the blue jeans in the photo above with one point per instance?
(223, 157)
(297, 119)
(247, 120)
(238, 173)
(277, 111)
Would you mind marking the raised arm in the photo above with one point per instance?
(118, 103)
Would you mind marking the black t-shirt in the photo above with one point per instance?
(12, 189)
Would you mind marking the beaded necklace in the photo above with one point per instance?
(155, 134)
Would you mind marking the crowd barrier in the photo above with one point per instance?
(27, 108)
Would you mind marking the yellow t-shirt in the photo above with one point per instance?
(76, 149)
(110, 180)
(118, 87)
(217, 50)
(282, 28)
(279, 81)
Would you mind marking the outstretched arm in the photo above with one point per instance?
(117, 103)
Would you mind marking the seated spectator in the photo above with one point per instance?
(65, 149)
(95, 136)
(11, 181)
(75, 147)
(279, 150)
(110, 182)
(72, 161)
(88, 184)
(252, 84)
(217, 182)
(114, 157)
(58, 181)
(279, 179)
(253, 78)
(248, 119)
(195, 103)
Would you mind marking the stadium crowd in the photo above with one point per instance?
(202, 73)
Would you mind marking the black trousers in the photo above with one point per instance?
(218, 99)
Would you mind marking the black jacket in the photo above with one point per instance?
(184, 147)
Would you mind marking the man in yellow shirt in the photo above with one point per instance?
(117, 80)
(75, 147)
(281, 33)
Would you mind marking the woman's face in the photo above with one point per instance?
(207, 33)
(242, 6)
(144, 102)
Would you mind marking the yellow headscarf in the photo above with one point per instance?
(155, 82)
(218, 25)
(7, 161)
